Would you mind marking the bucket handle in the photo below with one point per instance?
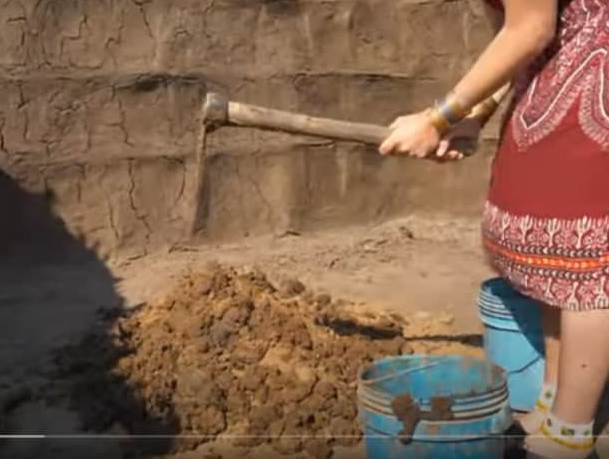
(396, 374)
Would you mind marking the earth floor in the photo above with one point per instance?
(425, 269)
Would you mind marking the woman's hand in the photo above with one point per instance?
(412, 135)
(461, 141)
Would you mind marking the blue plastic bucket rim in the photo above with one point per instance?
(497, 386)
(514, 303)
(490, 315)
(474, 412)
(514, 307)
(388, 425)
(461, 408)
(496, 312)
(500, 301)
(429, 362)
(502, 287)
(460, 404)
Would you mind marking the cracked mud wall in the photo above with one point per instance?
(100, 101)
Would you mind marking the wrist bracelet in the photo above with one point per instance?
(439, 122)
(446, 114)
(451, 109)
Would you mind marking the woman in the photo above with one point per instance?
(546, 221)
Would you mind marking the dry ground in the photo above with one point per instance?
(426, 269)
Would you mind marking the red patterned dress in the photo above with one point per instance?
(546, 221)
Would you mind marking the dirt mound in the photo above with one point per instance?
(229, 354)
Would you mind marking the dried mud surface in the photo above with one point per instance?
(228, 354)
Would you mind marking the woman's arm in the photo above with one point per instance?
(462, 140)
(484, 110)
(528, 28)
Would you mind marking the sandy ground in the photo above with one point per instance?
(417, 265)
(426, 269)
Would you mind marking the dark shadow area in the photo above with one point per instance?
(347, 327)
(473, 339)
(58, 344)
(29, 233)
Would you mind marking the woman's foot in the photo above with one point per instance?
(531, 422)
(557, 439)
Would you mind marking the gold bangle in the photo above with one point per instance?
(459, 112)
(439, 122)
(450, 111)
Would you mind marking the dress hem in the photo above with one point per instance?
(562, 263)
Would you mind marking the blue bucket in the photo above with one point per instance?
(513, 340)
(480, 409)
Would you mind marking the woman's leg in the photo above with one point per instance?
(531, 422)
(582, 374)
(584, 364)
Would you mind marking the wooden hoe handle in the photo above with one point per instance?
(219, 111)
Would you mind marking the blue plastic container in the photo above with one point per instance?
(481, 412)
(513, 340)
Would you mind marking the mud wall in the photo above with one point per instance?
(100, 111)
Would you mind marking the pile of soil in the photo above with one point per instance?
(228, 354)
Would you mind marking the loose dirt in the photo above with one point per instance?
(410, 273)
(229, 354)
